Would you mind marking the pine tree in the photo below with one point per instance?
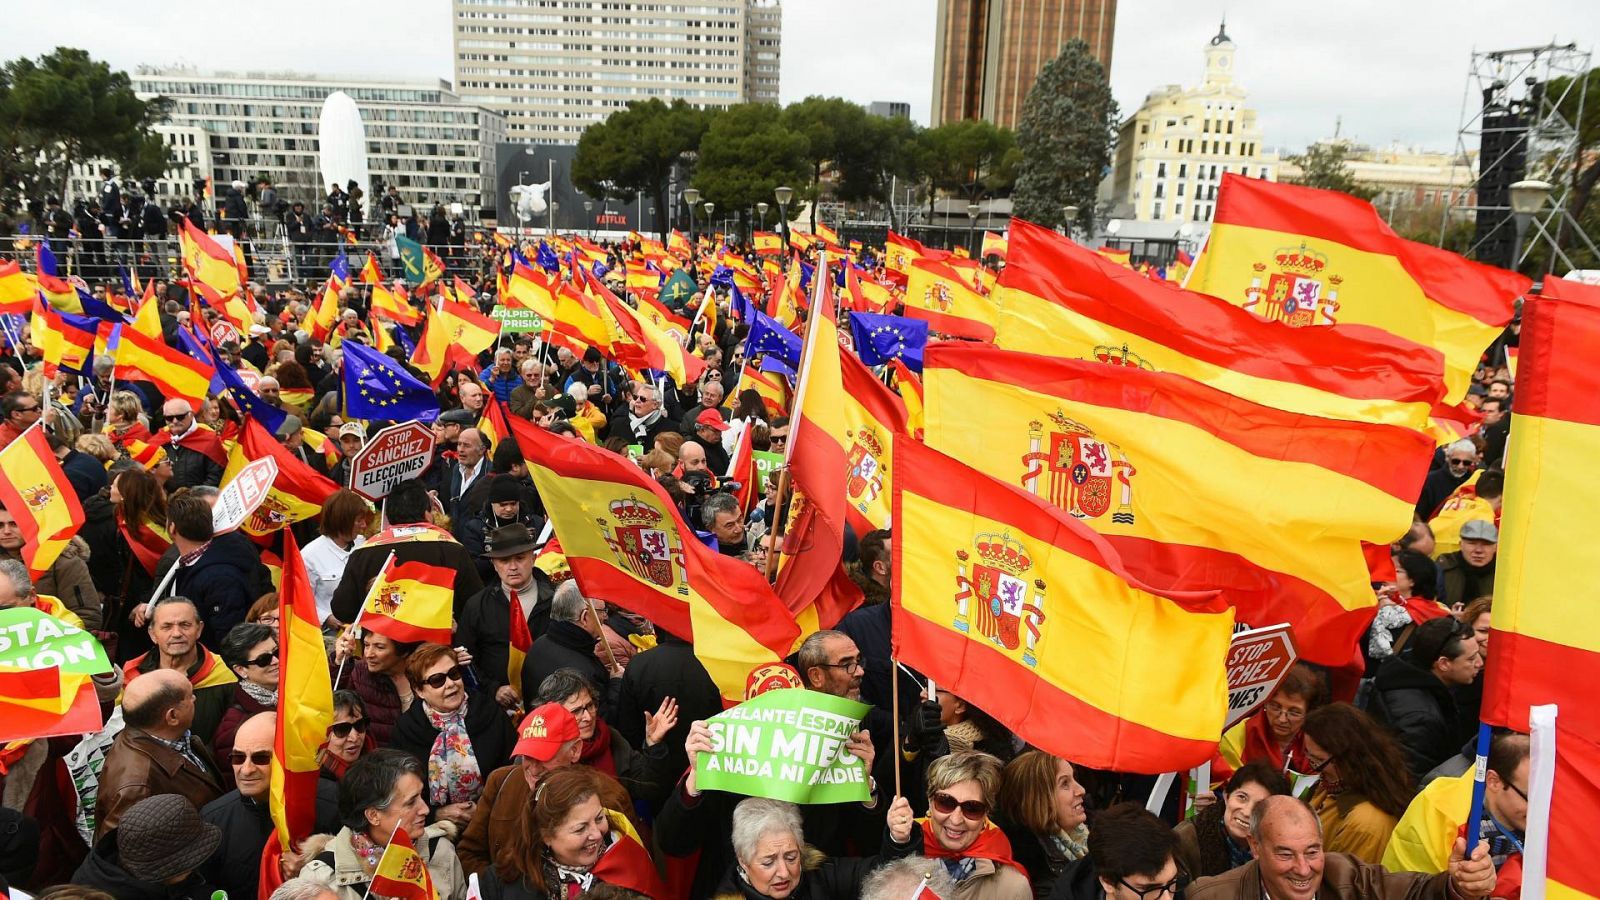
(1069, 121)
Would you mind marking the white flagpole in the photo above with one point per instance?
(1541, 782)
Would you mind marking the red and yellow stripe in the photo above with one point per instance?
(37, 494)
(305, 707)
(936, 293)
(174, 373)
(411, 601)
(1025, 612)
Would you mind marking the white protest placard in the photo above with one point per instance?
(395, 454)
(241, 496)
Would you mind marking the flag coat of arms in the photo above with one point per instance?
(938, 294)
(411, 601)
(1195, 488)
(1058, 299)
(36, 492)
(296, 494)
(1024, 611)
(1302, 257)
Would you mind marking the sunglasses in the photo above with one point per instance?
(437, 679)
(264, 660)
(342, 730)
(974, 810)
(258, 758)
(26, 409)
(1463, 463)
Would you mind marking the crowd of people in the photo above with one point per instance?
(526, 786)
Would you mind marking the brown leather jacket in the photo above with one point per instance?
(497, 818)
(1343, 878)
(138, 766)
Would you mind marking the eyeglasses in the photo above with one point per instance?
(588, 709)
(342, 730)
(1318, 766)
(437, 679)
(975, 810)
(1520, 792)
(264, 660)
(849, 665)
(1171, 887)
(258, 758)
(1294, 715)
(26, 409)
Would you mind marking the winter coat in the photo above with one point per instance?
(243, 707)
(1343, 878)
(487, 727)
(190, 467)
(474, 529)
(137, 766)
(69, 581)
(564, 645)
(497, 818)
(501, 385)
(213, 688)
(1419, 709)
(484, 628)
(221, 585)
(1043, 859)
(1203, 843)
(378, 694)
(102, 870)
(1352, 824)
(670, 669)
(1462, 582)
(868, 626)
(85, 473)
(822, 877)
(246, 825)
(334, 862)
(1078, 881)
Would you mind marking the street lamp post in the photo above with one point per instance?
(972, 225)
(1070, 225)
(761, 209)
(710, 208)
(691, 196)
(588, 215)
(783, 195)
(1527, 198)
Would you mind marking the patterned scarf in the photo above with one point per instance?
(261, 694)
(453, 773)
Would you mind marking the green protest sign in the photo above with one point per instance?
(766, 464)
(786, 744)
(516, 321)
(30, 639)
(635, 451)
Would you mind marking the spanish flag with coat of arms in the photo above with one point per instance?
(410, 601)
(35, 490)
(1301, 256)
(297, 492)
(1025, 612)
(1196, 489)
(402, 873)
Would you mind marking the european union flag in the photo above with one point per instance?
(376, 387)
(250, 403)
(880, 338)
(722, 276)
(769, 337)
(774, 364)
(547, 258)
(738, 305)
(600, 269)
(340, 268)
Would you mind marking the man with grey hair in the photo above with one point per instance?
(531, 390)
(572, 642)
(16, 588)
(1459, 462)
(1291, 864)
(303, 889)
(723, 518)
(899, 880)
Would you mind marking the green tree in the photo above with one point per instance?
(1586, 174)
(968, 159)
(1323, 166)
(887, 150)
(635, 149)
(842, 140)
(65, 108)
(1069, 121)
(746, 153)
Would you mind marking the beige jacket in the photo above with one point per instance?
(349, 880)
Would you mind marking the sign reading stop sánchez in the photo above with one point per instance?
(1257, 661)
(395, 454)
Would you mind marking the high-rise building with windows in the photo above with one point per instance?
(987, 53)
(1172, 153)
(552, 67)
(420, 136)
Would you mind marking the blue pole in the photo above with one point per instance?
(1479, 770)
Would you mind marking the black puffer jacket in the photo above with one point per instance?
(103, 871)
(222, 584)
(670, 669)
(1421, 712)
(190, 467)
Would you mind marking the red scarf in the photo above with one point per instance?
(596, 752)
(1260, 745)
(991, 845)
(1422, 609)
(336, 766)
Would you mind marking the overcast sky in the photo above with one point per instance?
(1392, 71)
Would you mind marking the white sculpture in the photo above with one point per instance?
(342, 143)
(529, 200)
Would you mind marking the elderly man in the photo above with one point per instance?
(830, 663)
(547, 739)
(1460, 459)
(155, 753)
(195, 451)
(242, 815)
(711, 394)
(644, 419)
(270, 391)
(156, 851)
(174, 627)
(472, 398)
(531, 388)
(501, 377)
(723, 518)
(708, 430)
(1290, 864)
(471, 464)
(484, 626)
(570, 643)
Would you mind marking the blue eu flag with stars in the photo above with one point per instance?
(768, 336)
(376, 387)
(880, 338)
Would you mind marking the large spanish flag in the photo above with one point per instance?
(624, 540)
(641, 344)
(471, 332)
(411, 601)
(305, 710)
(1197, 489)
(936, 293)
(1058, 299)
(297, 492)
(41, 703)
(1025, 612)
(1302, 256)
(820, 457)
(173, 372)
(37, 494)
(208, 262)
(393, 306)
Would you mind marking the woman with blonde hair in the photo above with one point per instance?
(98, 446)
(1043, 814)
(125, 419)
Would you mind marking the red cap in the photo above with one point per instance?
(711, 419)
(543, 731)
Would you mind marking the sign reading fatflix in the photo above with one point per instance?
(1257, 660)
(30, 639)
(516, 321)
(786, 744)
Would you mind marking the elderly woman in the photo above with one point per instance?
(1042, 813)
(251, 651)
(378, 674)
(1273, 735)
(775, 863)
(1217, 838)
(580, 816)
(349, 737)
(461, 738)
(975, 852)
(125, 420)
(967, 727)
(383, 792)
(646, 773)
(1363, 786)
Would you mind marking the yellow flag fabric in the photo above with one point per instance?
(35, 490)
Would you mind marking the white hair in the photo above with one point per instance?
(900, 879)
(1461, 446)
(578, 391)
(17, 572)
(568, 604)
(303, 889)
(757, 817)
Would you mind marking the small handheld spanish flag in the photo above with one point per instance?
(401, 873)
(411, 602)
(521, 643)
(36, 491)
